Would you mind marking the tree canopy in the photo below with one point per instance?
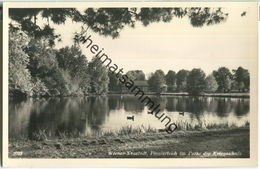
(242, 79)
(157, 81)
(223, 77)
(181, 80)
(19, 75)
(99, 77)
(108, 21)
(170, 79)
(196, 81)
(136, 75)
(211, 84)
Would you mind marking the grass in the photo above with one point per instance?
(204, 125)
(42, 134)
(126, 130)
(210, 141)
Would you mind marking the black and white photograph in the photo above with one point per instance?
(131, 81)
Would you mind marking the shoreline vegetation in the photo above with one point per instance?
(234, 95)
(212, 143)
(66, 72)
(227, 95)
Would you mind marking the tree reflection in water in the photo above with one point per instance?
(81, 116)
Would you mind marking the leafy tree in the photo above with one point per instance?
(170, 79)
(39, 88)
(99, 77)
(181, 80)
(108, 21)
(223, 78)
(196, 81)
(227, 83)
(157, 81)
(27, 18)
(136, 75)
(57, 83)
(19, 75)
(42, 58)
(114, 84)
(211, 84)
(242, 79)
(72, 61)
(44, 67)
(241, 86)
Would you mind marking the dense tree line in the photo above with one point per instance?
(36, 69)
(196, 81)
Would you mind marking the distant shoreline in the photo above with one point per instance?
(229, 95)
(234, 95)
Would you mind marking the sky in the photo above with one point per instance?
(177, 45)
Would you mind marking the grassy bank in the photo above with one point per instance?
(217, 143)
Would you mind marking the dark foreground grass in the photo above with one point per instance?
(220, 143)
(42, 134)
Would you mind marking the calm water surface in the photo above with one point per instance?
(88, 115)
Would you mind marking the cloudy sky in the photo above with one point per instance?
(177, 45)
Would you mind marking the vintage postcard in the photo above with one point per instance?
(130, 84)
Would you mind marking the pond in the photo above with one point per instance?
(84, 116)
